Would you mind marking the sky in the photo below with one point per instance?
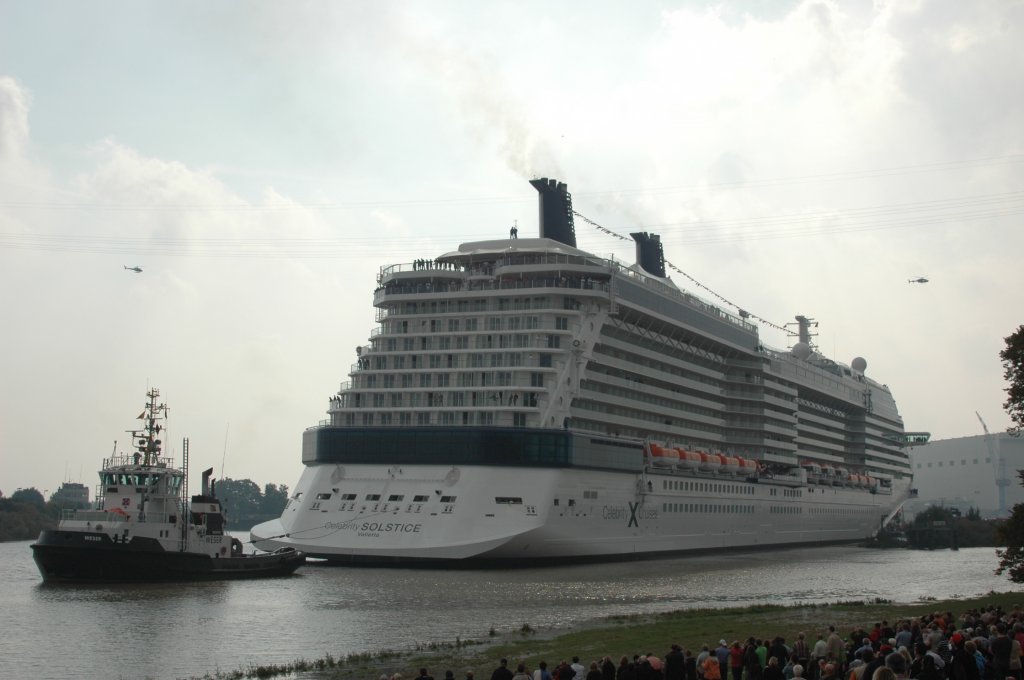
(261, 161)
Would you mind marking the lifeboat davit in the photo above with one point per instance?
(664, 457)
(748, 466)
(842, 476)
(689, 460)
(731, 464)
(710, 462)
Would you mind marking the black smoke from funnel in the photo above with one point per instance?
(649, 254)
(556, 221)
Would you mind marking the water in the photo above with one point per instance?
(184, 630)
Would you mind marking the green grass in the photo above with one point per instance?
(615, 636)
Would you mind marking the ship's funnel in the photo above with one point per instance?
(206, 481)
(555, 211)
(649, 254)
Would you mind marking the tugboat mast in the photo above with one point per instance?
(147, 445)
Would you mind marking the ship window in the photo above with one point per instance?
(395, 497)
(373, 496)
(420, 499)
(323, 496)
(508, 500)
(448, 499)
(348, 496)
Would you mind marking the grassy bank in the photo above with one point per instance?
(614, 636)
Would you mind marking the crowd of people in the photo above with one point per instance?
(980, 644)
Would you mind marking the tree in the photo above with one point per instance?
(1013, 372)
(274, 499)
(1011, 532)
(241, 497)
(30, 495)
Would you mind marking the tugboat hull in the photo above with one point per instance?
(82, 556)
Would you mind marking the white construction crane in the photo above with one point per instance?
(998, 465)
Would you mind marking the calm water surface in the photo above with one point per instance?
(184, 630)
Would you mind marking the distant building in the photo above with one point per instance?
(969, 472)
(71, 495)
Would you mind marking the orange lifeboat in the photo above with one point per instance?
(664, 457)
(689, 460)
(748, 466)
(710, 462)
(731, 464)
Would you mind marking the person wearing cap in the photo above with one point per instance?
(722, 654)
(962, 666)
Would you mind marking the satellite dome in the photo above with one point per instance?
(859, 364)
(801, 350)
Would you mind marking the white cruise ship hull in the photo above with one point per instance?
(510, 516)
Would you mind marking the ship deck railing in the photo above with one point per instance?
(112, 516)
(570, 279)
(570, 282)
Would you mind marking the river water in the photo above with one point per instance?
(186, 630)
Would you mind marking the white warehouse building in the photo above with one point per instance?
(969, 472)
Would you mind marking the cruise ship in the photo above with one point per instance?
(523, 401)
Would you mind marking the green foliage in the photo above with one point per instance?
(22, 520)
(935, 513)
(1011, 532)
(1013, 372)
(247, 505)
(30, 495)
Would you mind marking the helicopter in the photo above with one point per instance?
(919, 279)
(137, 269)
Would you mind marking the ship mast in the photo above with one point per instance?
(148, 447)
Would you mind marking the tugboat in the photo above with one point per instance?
(143, 531)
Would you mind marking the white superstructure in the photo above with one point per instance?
(524, 399)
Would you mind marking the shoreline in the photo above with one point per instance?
(616, 636)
